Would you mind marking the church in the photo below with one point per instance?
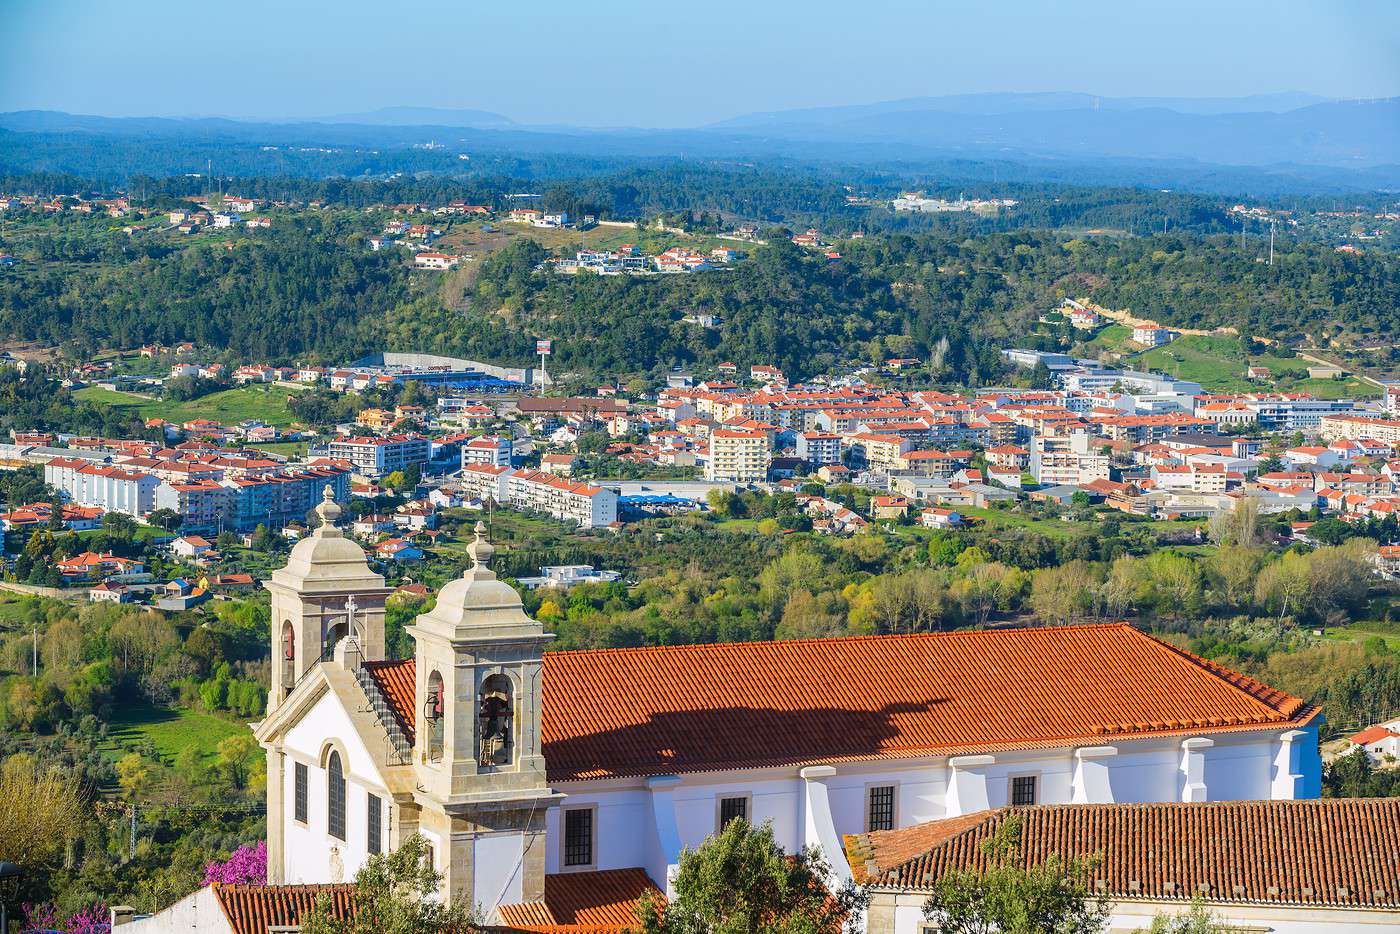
(556, 788)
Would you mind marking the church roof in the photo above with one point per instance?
(667, 710)
(602, 902)
(1325, 853)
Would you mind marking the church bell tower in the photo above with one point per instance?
(325, 593)
(477, 746)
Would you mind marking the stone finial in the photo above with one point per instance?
(328, 512)
(480, 550)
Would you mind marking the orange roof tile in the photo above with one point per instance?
(704, 708)
(600, 902)
(253, 909)
(1334, 852)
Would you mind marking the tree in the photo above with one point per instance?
(1011, 897)
(741, 882)
(1239, 526)
(235, 759)
(395, 893)
(167, 519)
(133, 773)
(41, 812)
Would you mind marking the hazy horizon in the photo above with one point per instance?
(639, 65)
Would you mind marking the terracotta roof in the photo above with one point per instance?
(599, 902)
(1326, 852)
(396, 681)
(252, 909)
(698, 708)
(1371, 735)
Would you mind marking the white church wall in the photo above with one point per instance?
(199, 911)
(1141, 773)
(1237, 771)
(312, 854)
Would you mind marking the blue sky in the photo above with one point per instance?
(669, 64)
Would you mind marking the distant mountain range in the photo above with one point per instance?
(1279, 132)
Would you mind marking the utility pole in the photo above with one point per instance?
(35, 669)
(132, 844)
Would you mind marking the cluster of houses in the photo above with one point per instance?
(628, 259)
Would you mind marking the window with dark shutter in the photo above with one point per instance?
(335, 797)
(1023, 790)
(881, 810)
(578, 837)
(300, 792)
(731, 808)
(376, 816)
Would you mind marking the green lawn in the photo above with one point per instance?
(263, 403)
(167, 730)
(1217, 364)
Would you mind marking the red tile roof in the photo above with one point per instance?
(252, 909)
(665, 710)
(1326, 852)
(595, 902)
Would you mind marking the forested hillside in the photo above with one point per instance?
(309, 288)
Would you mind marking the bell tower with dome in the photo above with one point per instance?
(477, 745)
(325, 593)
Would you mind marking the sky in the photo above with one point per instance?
(657, 64)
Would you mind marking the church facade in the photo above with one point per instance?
(526, 769)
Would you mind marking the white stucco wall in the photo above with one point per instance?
(1235, 767)
(312, 854)
(199, 911)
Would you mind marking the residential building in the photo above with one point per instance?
(377, 457)
(738, 456)
(490, 449)
(818, 448)
(1073, 459)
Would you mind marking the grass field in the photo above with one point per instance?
(169, 731)
(263, 403)
(1217, 364)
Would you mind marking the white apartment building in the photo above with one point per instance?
(375, 457)
(492, 449)
(738, 456)
(571, 500)
(1073, 459)
(114, 489)
(1358, 428)
(819, 448)
(484, 481)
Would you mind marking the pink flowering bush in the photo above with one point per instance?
(247, 864)
(46, 917)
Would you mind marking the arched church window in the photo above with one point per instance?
(494, 712)
(335, 796)
(289, 657)
(434, 716)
